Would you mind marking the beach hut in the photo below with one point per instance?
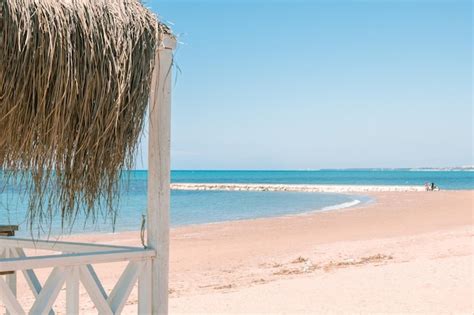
(78, 78)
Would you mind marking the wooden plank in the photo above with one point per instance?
(97, 281)
(159, 175)
(30, 277)
(49, 293)
(96, 292)
(6, 253)
(38, 262)
(144, 289)
(58, 246)
(11, 281)
(9, 299)
(11, 276)
(121, 291)
(168, 43)
(72, 290)
(8, 230)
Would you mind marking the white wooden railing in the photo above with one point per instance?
(71, 264)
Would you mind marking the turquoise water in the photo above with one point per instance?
(198, 207)
(191, 207)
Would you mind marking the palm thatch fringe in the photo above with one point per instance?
(74, 85)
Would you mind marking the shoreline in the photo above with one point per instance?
(359, 200)
(371, 199)
(378, 200)
(296, 187)
(344, 206)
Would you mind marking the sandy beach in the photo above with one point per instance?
(407, 252)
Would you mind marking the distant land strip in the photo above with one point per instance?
(295, 188)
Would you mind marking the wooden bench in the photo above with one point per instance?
(8, 230)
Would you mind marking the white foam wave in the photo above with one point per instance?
(342, 205)
(456, 169)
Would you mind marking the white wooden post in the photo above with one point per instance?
(10, 278)
(159, 175)
(144, 289)
(72, 290)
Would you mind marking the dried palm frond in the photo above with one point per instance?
(74, 85)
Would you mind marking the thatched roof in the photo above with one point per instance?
(74, 85)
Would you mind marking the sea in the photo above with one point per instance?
(203, 207)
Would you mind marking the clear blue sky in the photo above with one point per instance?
(320, 84)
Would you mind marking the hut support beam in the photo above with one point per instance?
(159, 179)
